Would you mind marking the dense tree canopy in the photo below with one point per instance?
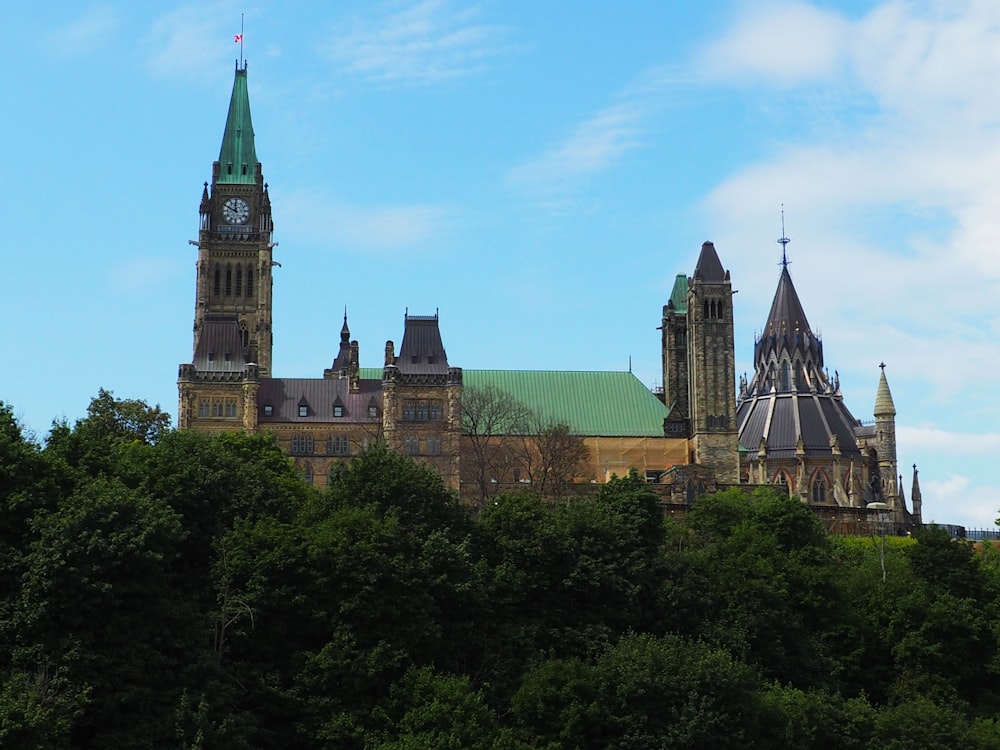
(163, 589)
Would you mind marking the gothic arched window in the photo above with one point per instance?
(216, 285)
(239, 281)
(249, 282)
(819, 489)
(229, 281)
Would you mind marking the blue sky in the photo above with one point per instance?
(538, 172)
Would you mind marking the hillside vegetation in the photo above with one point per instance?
(164, 589)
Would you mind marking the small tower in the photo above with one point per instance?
(711, 369)
(885, 442)
(915, 498)
(674, 340)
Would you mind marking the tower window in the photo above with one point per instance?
(216, 284)
(249, 282)
(229, 281)
(239, 281)
(434, 445)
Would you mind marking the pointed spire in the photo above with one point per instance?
(916, 500)
(709, 267)
(345, 332)
(238, 157)
(883, 399)
(787, 315)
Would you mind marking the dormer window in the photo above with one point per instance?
(244, 169)
(229, 168)
(268, 410)
(303, 410)
(229, 357)
(415, 358)
(211, 356)
(430, 359)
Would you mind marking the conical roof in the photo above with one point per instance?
(238, 157)
(787, 315)
(883, 398)
(709, 267)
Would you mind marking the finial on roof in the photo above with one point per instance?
(882, 366)
(784, 240)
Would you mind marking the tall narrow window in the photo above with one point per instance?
(216, 285)
(249, 282)
(244, 335)
(239, 281)
(229, 281)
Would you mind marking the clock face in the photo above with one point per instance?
(236, 211)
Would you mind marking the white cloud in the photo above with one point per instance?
(91, 31)
(957, 500)
(899, 200)
(320, 219)
(787, 43)
(416, 44)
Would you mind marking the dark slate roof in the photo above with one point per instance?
(237, 140)
(219, 347)
(787, 316)
(783, 418)
(284, 395)
(422, 351)
(709, 267)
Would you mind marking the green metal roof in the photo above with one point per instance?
(594, 404)
(597, 404)
(237, 141)
(679, 294)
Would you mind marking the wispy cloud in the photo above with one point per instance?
(597, 144)
(352, 228)
(193, 39)
(416, 44)
(91, 31)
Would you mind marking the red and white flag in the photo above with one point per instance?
(237, 38)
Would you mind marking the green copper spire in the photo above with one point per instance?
(237, 157)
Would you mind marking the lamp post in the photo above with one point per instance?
(881, 513)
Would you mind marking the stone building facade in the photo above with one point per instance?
(787, 426)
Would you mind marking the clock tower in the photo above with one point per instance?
(232, 316)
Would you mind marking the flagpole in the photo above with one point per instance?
(242, 59)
